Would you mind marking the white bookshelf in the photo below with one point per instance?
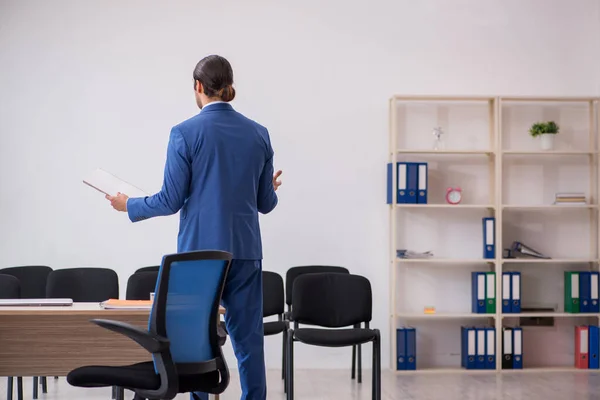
(496, 144)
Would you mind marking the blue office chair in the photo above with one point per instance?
(183, 335)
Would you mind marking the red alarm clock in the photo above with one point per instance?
(453, 195)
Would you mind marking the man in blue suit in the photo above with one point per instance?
(219, 175)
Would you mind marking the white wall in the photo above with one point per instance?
(87, 84)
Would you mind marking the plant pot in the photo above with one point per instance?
(547, 141)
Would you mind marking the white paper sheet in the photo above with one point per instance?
(107, 183)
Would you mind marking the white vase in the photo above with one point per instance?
(547, 141)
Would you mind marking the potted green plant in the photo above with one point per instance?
(546, 131)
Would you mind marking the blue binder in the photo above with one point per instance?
(412, 182)
(390, 186)
(422, 183)
(402, 174)
(411, 349)
(401, 349)
(517, 348)
(490, 348)
(515, 292)
(401, 193)
(463, 347)
(506, 293)
(594, 300)
(594, 342)
(489, 237)
(470, 346)
(481, 348)
(478, 280)
(585, 291)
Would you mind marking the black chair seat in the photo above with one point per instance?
(334, 337)
(138, 376)
(274, 327)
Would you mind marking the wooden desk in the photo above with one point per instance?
(52, 341)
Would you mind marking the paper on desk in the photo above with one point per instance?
(107, 183)
(115, 304)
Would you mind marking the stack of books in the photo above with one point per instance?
(569, 199)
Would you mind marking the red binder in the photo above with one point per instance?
(581, 347)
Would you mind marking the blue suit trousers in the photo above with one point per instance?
(242, 299)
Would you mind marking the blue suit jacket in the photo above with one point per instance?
(219, 173)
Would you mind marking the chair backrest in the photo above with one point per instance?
(140, 285)
(10, 288)
(83, 284)
(186, 311)
(332, 300)
(295, 272)
(273, 301)
(153, 268)
(33, 279)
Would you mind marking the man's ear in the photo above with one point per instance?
(199, 88)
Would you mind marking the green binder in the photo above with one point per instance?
(571, 292)
(490, 293)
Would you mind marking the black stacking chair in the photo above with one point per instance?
(274, 304)
(140, 285)
(332, 300)
(83, 285)
(10, 288)
(183, 335)
(153, 268)
(33, 280)
(291, 276)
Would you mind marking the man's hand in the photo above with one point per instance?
(276, 183)
(119, 202)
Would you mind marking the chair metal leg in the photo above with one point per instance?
(9, 388)
(114, 393)
(290, 366)
(378, 365)
(44, 384)
(35, 387)
(359, 363)
(283, 355)
(20, 388)
(120, 393)
(353, 362)
(374, 374)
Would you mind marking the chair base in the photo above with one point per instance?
(376, 371)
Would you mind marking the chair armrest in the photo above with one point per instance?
(152, 343)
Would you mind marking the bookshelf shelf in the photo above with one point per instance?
(445, 152)
(549, 152)
(455, 370)
(447, 206)
(533, 99)
(494, 128)
(547, 369)
(439, 316)
(444, 261)
(550, 207)
(550, 314)
(548, 261)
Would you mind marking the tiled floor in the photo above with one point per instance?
(336, 385)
